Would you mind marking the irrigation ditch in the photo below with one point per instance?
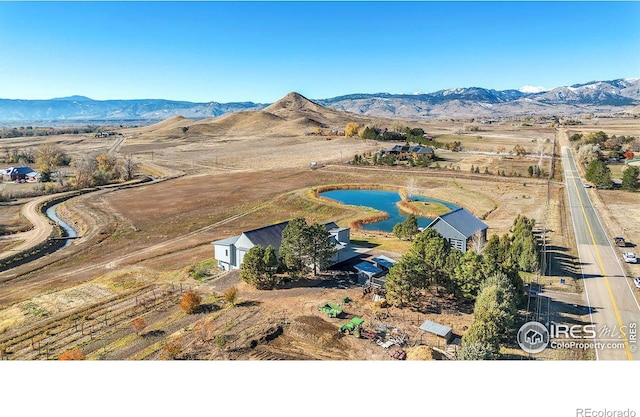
(61, 233)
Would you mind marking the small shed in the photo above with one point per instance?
(366, 271)
(440, 330)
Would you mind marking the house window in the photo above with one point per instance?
(226, 252)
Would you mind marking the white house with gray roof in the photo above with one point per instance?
(459, 227)
(230, 252)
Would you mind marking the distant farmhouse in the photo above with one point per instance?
(230, 252)
(22, 174)
(407, 151)
(459, 228)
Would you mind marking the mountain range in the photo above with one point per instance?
(621, 95)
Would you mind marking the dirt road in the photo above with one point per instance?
(41, 228)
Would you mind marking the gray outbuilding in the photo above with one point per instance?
(459, 228)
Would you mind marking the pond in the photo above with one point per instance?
(384, 201)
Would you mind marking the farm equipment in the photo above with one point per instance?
(332, 310)
(399, 354)
(369, 334)
(353, 327)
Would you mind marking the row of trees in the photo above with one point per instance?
(27, 131)
(599, 174)
(604, 141)
(407, 134)
(304, 248)
(88, 170)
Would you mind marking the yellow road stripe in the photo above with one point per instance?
(604, 275)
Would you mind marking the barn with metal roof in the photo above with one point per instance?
(459, 227)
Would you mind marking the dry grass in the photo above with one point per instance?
(249, 170)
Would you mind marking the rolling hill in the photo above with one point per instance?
(293, 115)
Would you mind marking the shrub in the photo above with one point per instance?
(72, 355)
(230, 296)
(190, 302)
(138, 325)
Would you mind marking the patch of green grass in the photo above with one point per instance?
(428, 209)
(527, 276)
(616, 170)
(34, 310)
(202, 269)
(383, 243)
(220, 340)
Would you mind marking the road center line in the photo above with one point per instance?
(604, 275)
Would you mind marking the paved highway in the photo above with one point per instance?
(615, 310)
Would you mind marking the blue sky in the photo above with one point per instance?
(260, 51)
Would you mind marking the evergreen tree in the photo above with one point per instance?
(630, 178)
(599, 174)
(305, 245)
(294, 247)
(270, 260)
(407, 229)
(433, 249)
(494, 314)
(402, 281)
(320, 246)
(468, 275)
(491, 259)
(252, 269)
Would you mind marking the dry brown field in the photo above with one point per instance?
(223, 177)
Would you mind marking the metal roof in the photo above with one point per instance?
(463, 221)
(228, 241)
(436, 328)
(384, 261)
(423, 150)
(268, 235)
(21, 170)
(368, 268)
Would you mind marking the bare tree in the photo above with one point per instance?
(477, 243)
(412, 189)
(129, 167)
(83, 168)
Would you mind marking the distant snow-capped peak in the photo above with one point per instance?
(532, 89)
